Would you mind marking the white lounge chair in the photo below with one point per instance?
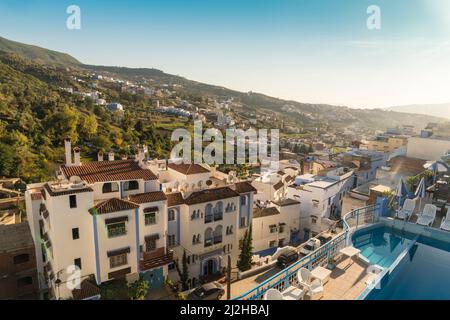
(445, 224)
(291, 293)
(407, 210)
(313, 287)
(428, 215)
(273, 294)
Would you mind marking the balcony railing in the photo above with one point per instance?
(209, 242)
(155, 258)
(217, 239)
(209, 218)
(320, 257)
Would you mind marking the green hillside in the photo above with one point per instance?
(37, 54)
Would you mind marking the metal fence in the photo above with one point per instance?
(320, 257)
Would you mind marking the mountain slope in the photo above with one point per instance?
(298, 114)
(37, 54)
(437, 110)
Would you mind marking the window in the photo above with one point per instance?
(116, 230)
(77, 262)
(171, 266)
(110, 187)
(243, 200)
(273, 228)
(25, 281)
(75, 233)
(171, 215)
(131, 185)
(117, 261)
(21, 258)
(243, 223)
(73, 201)
(171, 240)
(150, 218)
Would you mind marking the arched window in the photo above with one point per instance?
(218, 234)
(209, 209)
(110, 187)
(131, 185)
(209, 237)
(194, 239)
(219, 207)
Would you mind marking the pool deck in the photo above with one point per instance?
(347, 281)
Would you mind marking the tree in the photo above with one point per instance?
(245, 257)
(138, 289)
(89, 125)
(183, 273)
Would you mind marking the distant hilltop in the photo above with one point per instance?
(435, 110)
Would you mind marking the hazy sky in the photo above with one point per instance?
(307, 50)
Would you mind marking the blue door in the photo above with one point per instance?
(155, 278)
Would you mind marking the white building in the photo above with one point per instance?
(118, 219)
(274, 225)
(321, 199)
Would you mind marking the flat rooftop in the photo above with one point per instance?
(15, 237)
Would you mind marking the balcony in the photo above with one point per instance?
(209, 218)
(209, 242)
(218, 216)
(217, 239)
(155, 258)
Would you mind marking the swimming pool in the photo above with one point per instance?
(423, 272)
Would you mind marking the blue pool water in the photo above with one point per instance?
(424, 272)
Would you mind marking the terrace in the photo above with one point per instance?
(347, 279)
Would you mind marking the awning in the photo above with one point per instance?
(118, 252)
(151, 209)
(119, 273)
(152, 237)
(116, 220)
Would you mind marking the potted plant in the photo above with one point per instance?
(331, 263)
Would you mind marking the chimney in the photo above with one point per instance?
(68, 151)
(111, 156)
(100, 156)
(77, 156)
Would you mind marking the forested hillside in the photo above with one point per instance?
(36, 115)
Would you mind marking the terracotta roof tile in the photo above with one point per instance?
(210, 195)
(244, 187)
(265, 212)
(115, 205)
(109, 171)
(174, 199)
(148, 197)
(278, 185)
(188, 169)
(87, 290)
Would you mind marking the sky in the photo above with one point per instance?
(312, 51)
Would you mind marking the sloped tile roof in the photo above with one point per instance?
(115, 205)
(244, 187)
(265, 212)
(210, 195)
(278, 185)
(148, 197)
(174, 199)
(188, 169)
(87, 290)
(109, 171)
